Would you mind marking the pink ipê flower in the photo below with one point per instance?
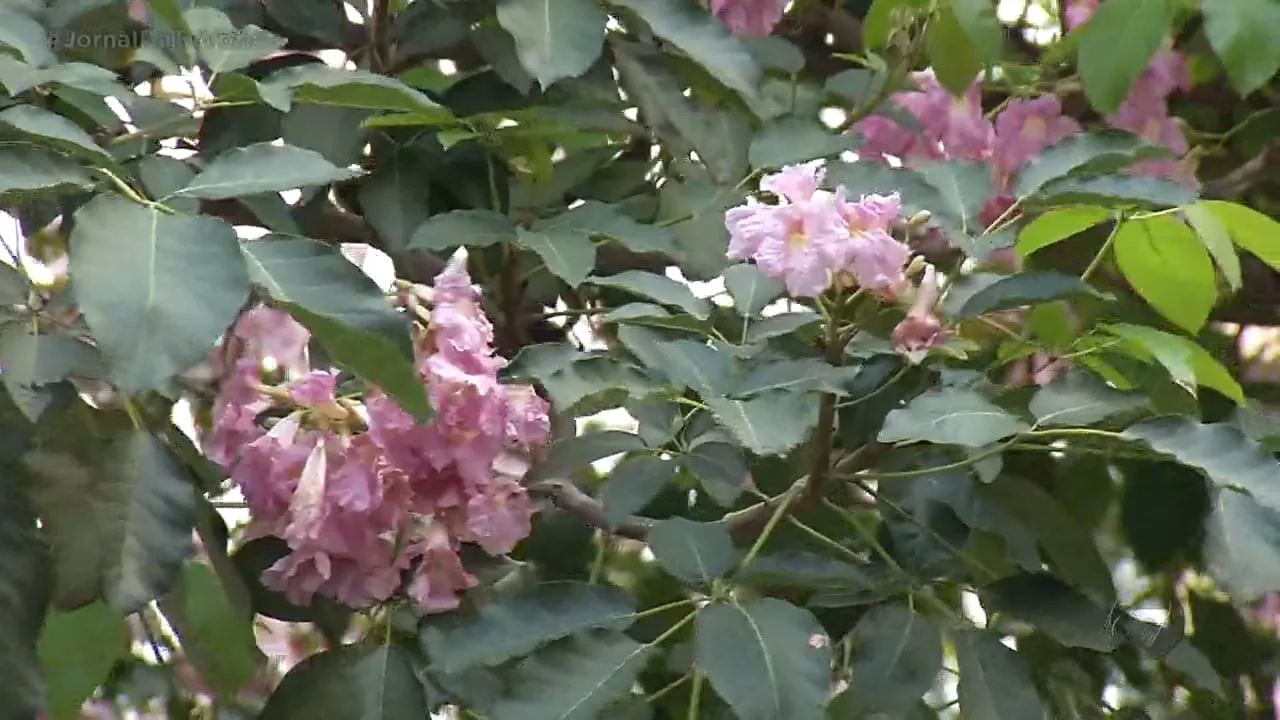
(920, 329)
(1027, 126)
(749, 17)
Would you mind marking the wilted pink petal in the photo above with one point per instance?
(749, 17)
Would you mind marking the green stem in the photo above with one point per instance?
(695, 695)
(1102, 252)
(660, 609)
(665, 689)
(769, 527)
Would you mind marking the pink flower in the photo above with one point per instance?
(267, 332)
(955, 122)
(882, 136)
(875, 259)
(499, 518)
(795, 183)
(1075, 12)
(920, 329)
(440, 575)
(1151, 122)
(314, 388)
(1027, 126)
(749, 17)
(993, 208)
(808, 249)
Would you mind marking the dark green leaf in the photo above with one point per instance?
(767, 658)
(703, 38)
(555, 39)
(31, 361)
(1057, 225)
(950, 416)
(466, 228)
(575, 679)
(750, 289)
(1188, 660)
(1097, 151)
(692, 551)
(994, 681)
(656, 287)
(260, 168)
(962, 187)
(350, 682)
(1113, 191)
(53, 130)
(1028, 288)
(720, 469)
(778, 325)
(323, 85)
(516, 625)
(1169, 267)
(896, 659)
(216, 637)
(1227, 456)
(568, 254)
(571, 455)
(120, 527)
(776, 53)
(394, 201)
(1241, 33)
(633, 483)
(695, 208)
(234, 47)
(1053, 608)
(789, 140)
(1080, 398)
(803, 375)
(77, 651)
(24, 595)
(156, 288)
(26, 169)
(498, 49)
(597, 218)
(771, 423)
(697, 365)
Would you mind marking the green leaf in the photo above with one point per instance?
(887, 15)
(467, 228)
(768, 659)
(223, 46)
(963, 186)
(798, 376)
(516, 625)
(1165, 263)
(657, 287)
(262, 167)
(77, 651)
(775, 53)
(1113, 191)
(1187, 362)
(568, 254)
(692, 551)
(656, 316)
(978, 20)
(318, 277)
(778, 325)
(215, 636)
(1241, 32)
(26, 169)
(1115, 46)
(1249, 228)
(597, 218)
(24, 595)
(789, 139)
(350, 682)
(994, 681)
(15, 289)
(321, 84)
(633, 484)
(157, 289)
(1028, 288)
(370, 355)
(952, 53)
(702, 37)
(22, 33)
(950, 416)
(1225, 455)
(697, 365)
(720, 469)
(120, 527)
(574, 679)
(53, 130)
(32, 361)
(1057, 225)
(750, 289)
(771, 423)
(1078, 398)
(1213, 233)
(1091, 152)
(1066, 542)
(555, 39)
(695, 208)
(896, 659)
(571, 455)
(1053, 608)
(1242, 545)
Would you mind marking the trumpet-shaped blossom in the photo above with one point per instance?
(1027, 126)
(920, 329)
(371, 501)
(751, 18)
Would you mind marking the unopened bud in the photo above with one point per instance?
(917, 266)
(919, 219)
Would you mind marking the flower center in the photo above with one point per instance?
(796, 240)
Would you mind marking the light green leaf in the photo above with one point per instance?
(350, 682)
(260, 168)
(887, 15)
(22, 33)
(771, 423)
(994, 681)
(1028, 288)
(77, 651)
(1116, 44)
(157, 289)
(597, 218)
(215, 636)
(1057, 225)
(1054, 608)
(1242, 33)
(1187, 362)
(702, 37)
(120, 527)
(47, 128)
(555, 39)
(518, 624)
(750, 289)
(24, 169)
(1079, 398)
(571, 455)
(324, 85)
(952, 54)
(950, 416)
(568, 254)
(692, 551)
(1224, 454)
(467, 228)
(1216, 240)
(24, 595)
(656, 287)
(633, 483)
(1249, 228)
(1091, 152)
(1169, 267)
(768, 659)
(1242, 544)
(896, 659)
(790, 139)
(574, 679)
(977, 18)
(224, 47)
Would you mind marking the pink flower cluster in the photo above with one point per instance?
(809, 237)
(368, 499)
(750, 18)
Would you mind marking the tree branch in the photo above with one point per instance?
(1244, 178)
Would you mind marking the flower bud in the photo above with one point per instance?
(919, 219)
